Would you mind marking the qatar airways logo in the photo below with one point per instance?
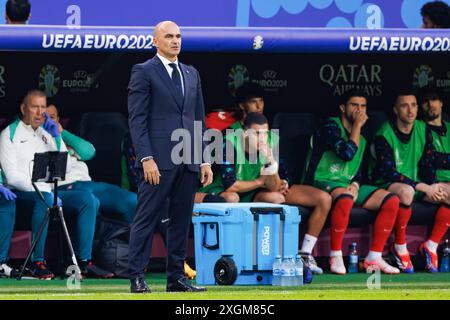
(345, 77)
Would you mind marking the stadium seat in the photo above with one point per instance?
(376, 119)
(295, 133)
(105, 131)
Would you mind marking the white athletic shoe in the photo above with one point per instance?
(7, 272)
(312, 264)
(380, 264)
(337, 265)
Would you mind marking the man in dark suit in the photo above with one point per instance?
(163, 96)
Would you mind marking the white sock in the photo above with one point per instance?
(308, 243)
(401, 248)
(373, 255)
(336, 253)
(432, 246)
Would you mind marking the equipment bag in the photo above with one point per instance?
(111, 246)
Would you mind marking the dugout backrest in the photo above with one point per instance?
(295, 133)
(370, 128)
(105, 131)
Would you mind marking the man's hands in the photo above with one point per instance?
(206, 175)
(436, 192)
(284, 187)
(51, 126)
(6, 193)
(266, 151)
(151, 172)
(360, 118)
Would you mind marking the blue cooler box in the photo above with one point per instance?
(236, 243)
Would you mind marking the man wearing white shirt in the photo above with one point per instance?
(18, 144)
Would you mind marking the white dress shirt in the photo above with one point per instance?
(169, 69)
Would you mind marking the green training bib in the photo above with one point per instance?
(442, 144)
(406, 155)
(333, 168)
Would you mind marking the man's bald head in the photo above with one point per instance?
(163, 25)
(167, 39)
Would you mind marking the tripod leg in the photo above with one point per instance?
(35, 241)
(66, 233)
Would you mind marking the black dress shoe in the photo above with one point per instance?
(183, 285)
(138, 285)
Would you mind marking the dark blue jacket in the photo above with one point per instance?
(156, 110)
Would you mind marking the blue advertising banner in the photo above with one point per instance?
(203, 39)
(372, 14)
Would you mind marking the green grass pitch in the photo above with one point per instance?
(325, 287)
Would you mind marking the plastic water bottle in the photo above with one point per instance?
(276, 271)
(291, 270)
(353, 259)
(445, 260)
(284, 272)
(298, 271)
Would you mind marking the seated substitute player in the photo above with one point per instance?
(7, 219)
(400, 148)
(334, 165)
(18, 144)
(249, 98)
(436, 170)
(260, 181)
(113, 199)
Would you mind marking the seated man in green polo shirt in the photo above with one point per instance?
(250, 169)
(401, 148)
(334, 165)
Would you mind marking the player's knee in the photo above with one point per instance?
(406, 195)
(230, 196)
(276, 197)
(127, 203)
(8, 207)
(324, 200)
(89, 202)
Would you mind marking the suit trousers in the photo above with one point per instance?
(178, 186)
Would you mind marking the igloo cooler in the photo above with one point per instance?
(236, 243)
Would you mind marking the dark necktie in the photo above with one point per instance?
(176, 79)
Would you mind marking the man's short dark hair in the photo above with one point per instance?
(407, 91)
(353, 93)
(32, 93)
(18, 10)
(430, 94)
(249, 91)
(438, 12)
(254, 118)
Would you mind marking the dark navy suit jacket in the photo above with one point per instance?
(156, 110)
